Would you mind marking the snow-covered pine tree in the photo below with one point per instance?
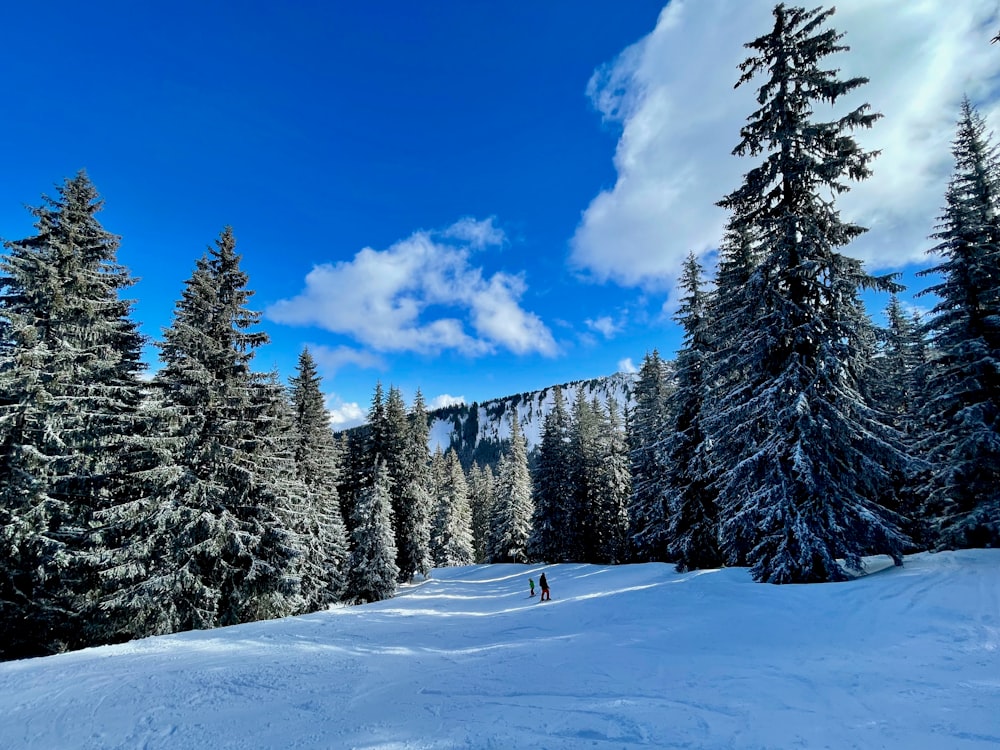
(269, 457)
(72, 430)
(353, 473)
(897, 385)
(647, 511)
(899, 367)
(320, 524)
(553, 485)
(395, 436)
(373, 573)
(580, 522)
(223, 556)
(963, 407)
(416, 502)
(452, 529)
(613, 487)
(482, 492)
(694, 516)
(807, 458)
(510, 525)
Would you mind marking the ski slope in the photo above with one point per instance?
(633, 656)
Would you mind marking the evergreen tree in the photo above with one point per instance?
(510, 525)
(807, 456)
(395, 432)
(694, 517)
(613, 485)
(222, 554)
(320, 523)
(963, 489)
(580, 519)
(553, 485)
(73, 436)
(416, 501)
(373, 574)
(452, 529)
(353, 474)
(482, 490)
(647, 510)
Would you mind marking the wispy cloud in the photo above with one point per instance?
(422, 295)
(344, 414)
(627, 365)
(604, 326)
(672, 95)
(439, 402)
(332, 359)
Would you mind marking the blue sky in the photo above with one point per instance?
(472, 198)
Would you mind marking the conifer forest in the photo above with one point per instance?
(790, 433)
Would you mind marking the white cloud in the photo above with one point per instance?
(444, 400)
(332, 359)
(478, 234)
(421, 295)
(673, 95)
(627, 365)
(604, 326)
(344, 414)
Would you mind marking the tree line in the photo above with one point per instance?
(790, 434)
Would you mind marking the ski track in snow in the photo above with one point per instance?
(623, 657)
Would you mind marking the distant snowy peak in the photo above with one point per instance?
(477, 430)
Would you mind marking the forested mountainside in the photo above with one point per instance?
(477, 431)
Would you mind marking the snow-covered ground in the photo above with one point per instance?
(622, 657)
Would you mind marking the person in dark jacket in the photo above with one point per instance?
(544, 583)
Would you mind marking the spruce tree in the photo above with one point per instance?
(451, 536)
(613, 485)
(415, 497)
(222, 552)
(394, 448)
(807, 458)
(317, 459)
(647, 510)
(510, 525)
(552, 484)
(73, 440)
(373, 573)
(694, 517)
(963, 489)
(580, 520)
(482, 491)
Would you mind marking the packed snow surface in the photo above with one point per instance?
(622, 657)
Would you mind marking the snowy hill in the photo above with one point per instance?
(622, 657)
(477, 430)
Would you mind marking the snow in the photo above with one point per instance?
(622, 657)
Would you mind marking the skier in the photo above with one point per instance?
(531, 583)
(543, 582)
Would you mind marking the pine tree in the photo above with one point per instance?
(482, 491)
(320, 523)
(222, 553)
(415, 498)
(963, 489)
(553, 485)
(510, 525)
(395, 433)
(807, 456)
(580, 519)
(451, 537)
(647, 510)
(694, 517)
(373, 574)
(73, 440)
(613, 485)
